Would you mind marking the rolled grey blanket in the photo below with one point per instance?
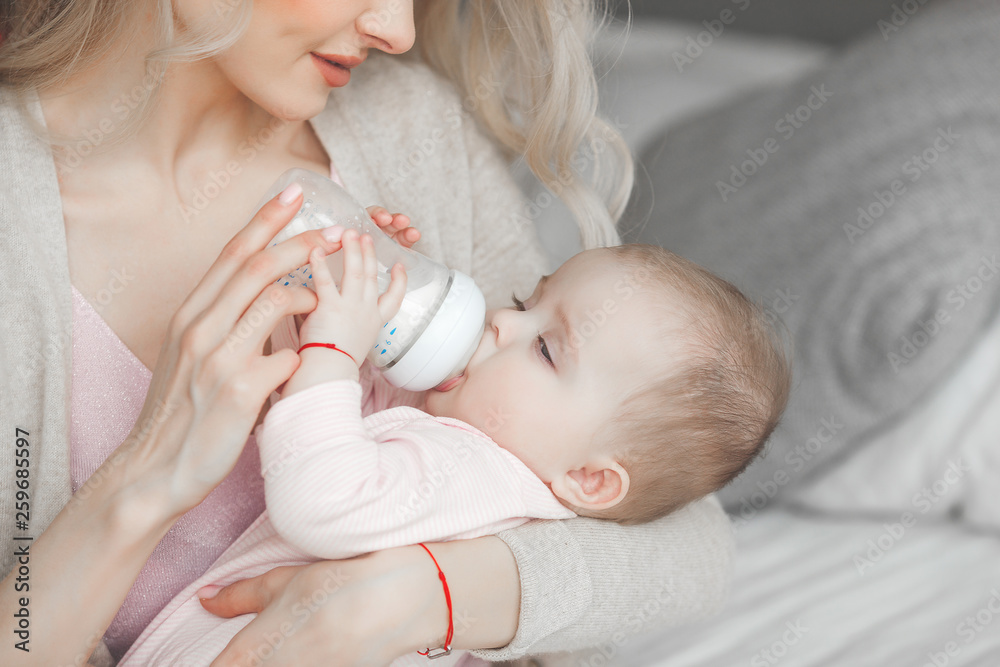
(861, 206)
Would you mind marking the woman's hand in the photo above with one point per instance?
(372, 609)
(211, 377)
(208, 385)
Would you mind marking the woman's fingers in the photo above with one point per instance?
(389, 303)
(257, 233)
(249, 595)
(263, 268)
(225, 368)
(300, 618)
(360, 611)
(241, 395)
(258, 322)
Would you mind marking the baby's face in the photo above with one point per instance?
(551, 372)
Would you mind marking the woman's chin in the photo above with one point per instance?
(293, 100)
(298, 108)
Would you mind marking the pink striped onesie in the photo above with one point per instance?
(338, 484)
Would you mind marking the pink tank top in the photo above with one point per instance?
(109, 387)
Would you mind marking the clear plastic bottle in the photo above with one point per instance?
(442, 317)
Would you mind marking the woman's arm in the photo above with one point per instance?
(586, 582)
(372, 609)
(204, 396)
(87, 558)
(546, 586)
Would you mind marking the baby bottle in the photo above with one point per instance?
(441, 320)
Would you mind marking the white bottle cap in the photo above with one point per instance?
(447, 343)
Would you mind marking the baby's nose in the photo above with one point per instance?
(498, 322)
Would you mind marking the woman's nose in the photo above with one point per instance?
(388, 26)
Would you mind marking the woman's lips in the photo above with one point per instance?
(335, 75)
(449, 384)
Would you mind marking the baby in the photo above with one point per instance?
(628, 384)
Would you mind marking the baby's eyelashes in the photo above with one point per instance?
(544, 349)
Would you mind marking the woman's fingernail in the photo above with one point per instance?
(208, 592)
(289, 194)
(333, 234)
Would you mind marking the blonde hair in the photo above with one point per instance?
(685, 435)
(47, 43)
(544, 107)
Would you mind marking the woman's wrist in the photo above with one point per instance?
(485, 592)
(131, 499)
(92, 551)
(133, 491)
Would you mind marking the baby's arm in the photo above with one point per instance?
(333, 487)
(336, 488)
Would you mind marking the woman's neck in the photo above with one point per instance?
(197, 117)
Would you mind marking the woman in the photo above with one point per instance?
(167, 123)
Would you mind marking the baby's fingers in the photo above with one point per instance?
(353, 283)
(389, 303)
(326, 288)
(380, 216)
(407, 237)
(395, 225)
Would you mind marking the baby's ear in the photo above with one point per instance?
(597, 486)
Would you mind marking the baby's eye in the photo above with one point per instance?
(518, 304)
(544, 350)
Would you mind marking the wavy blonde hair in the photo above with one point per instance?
(544, 108)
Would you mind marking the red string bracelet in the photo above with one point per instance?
(446, 649)
(329, 345)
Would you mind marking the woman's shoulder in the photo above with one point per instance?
(15, 118)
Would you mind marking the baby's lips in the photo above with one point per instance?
(449, 383)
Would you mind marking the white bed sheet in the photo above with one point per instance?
(798, 593)
(903, 609)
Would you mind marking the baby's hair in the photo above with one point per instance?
(695, 428)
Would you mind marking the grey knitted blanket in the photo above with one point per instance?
(862, 207)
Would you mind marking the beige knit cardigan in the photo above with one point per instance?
(401, 137)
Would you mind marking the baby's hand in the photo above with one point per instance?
(352, 317)
(396, 225)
